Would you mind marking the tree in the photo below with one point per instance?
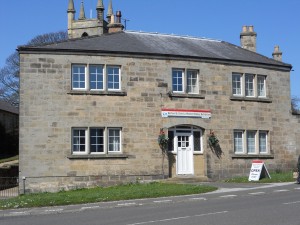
(295, 105)
(9, 74)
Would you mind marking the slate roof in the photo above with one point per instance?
(139, 43)
(5, 106)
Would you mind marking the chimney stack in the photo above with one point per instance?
(115, 25)
(248, 38)
(277, 54)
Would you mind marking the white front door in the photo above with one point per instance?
(185, 160)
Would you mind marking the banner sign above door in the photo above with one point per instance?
(204, 114)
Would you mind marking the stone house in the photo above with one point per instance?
(92, 107)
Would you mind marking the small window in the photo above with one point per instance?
(79, 140)
(171, 141)
(237, 84)
(238, 142)
(261, 86)
(114, 140)
(197, 141)
(78, 77)
(96, 77)
(177, 77)
(251, 142)
(97, 140)
(192, 82)
(249, 85)
(85, 34)
(263, 141)
(113, 78)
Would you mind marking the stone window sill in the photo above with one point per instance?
(104, 156)
(250, 99)
(104, 93)
(184, 95)
(255, 156)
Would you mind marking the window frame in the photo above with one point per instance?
(185, 78)
(177, 84)
(85, 129)
(245, 142)
(109, 143)
(190, 72)
(264, 85)
(73, 74)
(242, 86)
(105, 78)
(90, 79)
(250, 85)
(88, 141)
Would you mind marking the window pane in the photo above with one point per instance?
(251, 141)
(238, 141)
(192, 81)
(113, 78)
(236, 84)
(78, 77)
(96, 77)
(177, 78)
(261, 86)
(249, 85)
(171, 141)
(263, 142)
(96, 140)
(79, 140)
(197, 141)
(114, 140)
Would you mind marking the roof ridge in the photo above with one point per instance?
(172, 35)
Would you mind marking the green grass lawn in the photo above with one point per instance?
(101, 194)
(275, 178)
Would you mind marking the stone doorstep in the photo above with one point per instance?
(187, 179)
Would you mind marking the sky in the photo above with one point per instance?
(276, 22)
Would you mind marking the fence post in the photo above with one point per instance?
(24, 180)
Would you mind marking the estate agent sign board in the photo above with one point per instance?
(258, 170)
(204, 114)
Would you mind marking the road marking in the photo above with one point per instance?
(162, 201)
(90, 207)
(290, 203)
(297, 188)
(228, 196)
(198, 199)
(127, 204)
(283, 190)
(257, 193)
(178, 218)
(18, 213)
(54, 210)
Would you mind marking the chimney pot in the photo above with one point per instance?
(118, 15)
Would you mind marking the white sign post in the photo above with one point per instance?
(258, 170)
